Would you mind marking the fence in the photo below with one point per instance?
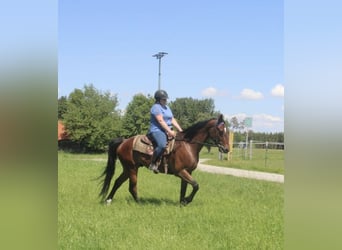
(254, 150)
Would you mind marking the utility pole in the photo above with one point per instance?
(159, 57)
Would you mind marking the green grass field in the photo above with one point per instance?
(227, 212)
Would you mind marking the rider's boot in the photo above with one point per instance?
(154, 166)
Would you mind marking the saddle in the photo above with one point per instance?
(143, 144)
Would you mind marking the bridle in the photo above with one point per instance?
(221, 134)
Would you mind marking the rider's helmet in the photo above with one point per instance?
(160, 94)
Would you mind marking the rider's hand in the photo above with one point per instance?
(171, 133)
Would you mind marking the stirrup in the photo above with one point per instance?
(154, 168)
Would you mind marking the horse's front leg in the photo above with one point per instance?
(184, 185)
(187, 179)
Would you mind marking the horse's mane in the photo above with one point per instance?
(191, 131)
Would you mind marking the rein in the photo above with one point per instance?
(198, 142)
(205, 144)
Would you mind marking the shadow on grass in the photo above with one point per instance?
(156, 202)
(148, 202)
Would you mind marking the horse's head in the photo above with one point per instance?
(220, 135)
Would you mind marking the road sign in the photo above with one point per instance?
(248, 122)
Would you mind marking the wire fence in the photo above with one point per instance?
(246, 150)
(263, 152)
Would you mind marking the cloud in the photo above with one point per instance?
(211, 91)
(262, 122)
(239, 116)
(267, 118)
(208, 92)
(268, 123)
(250, 94)
(278, 90)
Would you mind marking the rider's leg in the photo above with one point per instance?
(160, 141)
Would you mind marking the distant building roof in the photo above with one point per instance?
(62, 135)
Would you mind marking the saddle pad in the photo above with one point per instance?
(138, 145)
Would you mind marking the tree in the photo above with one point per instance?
(91, 119)
(137, 116)
(261, 137)
(189, 111)
(236, 125)
(62, 106)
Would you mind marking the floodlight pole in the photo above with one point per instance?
(159, 56)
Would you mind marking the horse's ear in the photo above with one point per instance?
(220, 119)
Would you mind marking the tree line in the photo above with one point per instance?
(91, 118)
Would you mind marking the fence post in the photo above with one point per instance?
(246, 147)
(266, 149)
(231, 145)
(220, 156)
(250, 149)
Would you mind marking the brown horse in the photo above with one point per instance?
(181, 161)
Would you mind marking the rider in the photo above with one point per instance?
(161, 122)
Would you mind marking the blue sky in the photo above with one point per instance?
(231, 51)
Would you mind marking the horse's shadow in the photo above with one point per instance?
(156, 202)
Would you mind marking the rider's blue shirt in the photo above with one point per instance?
(165, 111)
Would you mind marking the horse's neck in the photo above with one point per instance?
(199, 139)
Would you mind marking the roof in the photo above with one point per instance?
(62, 135)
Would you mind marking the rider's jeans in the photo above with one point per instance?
(161, 141)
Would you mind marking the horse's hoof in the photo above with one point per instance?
(108, 202)
(184, 203)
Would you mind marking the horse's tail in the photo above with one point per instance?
(109, 171)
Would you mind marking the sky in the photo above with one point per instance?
(220, 47)
(230, 51)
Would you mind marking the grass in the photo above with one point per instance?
(271, 161)
(227, 212)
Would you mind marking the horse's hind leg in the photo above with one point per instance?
(187, 178)
(133, 179)
(118, 182)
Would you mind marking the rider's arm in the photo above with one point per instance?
(175, 123)
(162, 123)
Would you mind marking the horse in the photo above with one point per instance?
(181, 161)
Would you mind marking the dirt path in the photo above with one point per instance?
(240, 173)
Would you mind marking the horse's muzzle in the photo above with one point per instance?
(223, 149)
